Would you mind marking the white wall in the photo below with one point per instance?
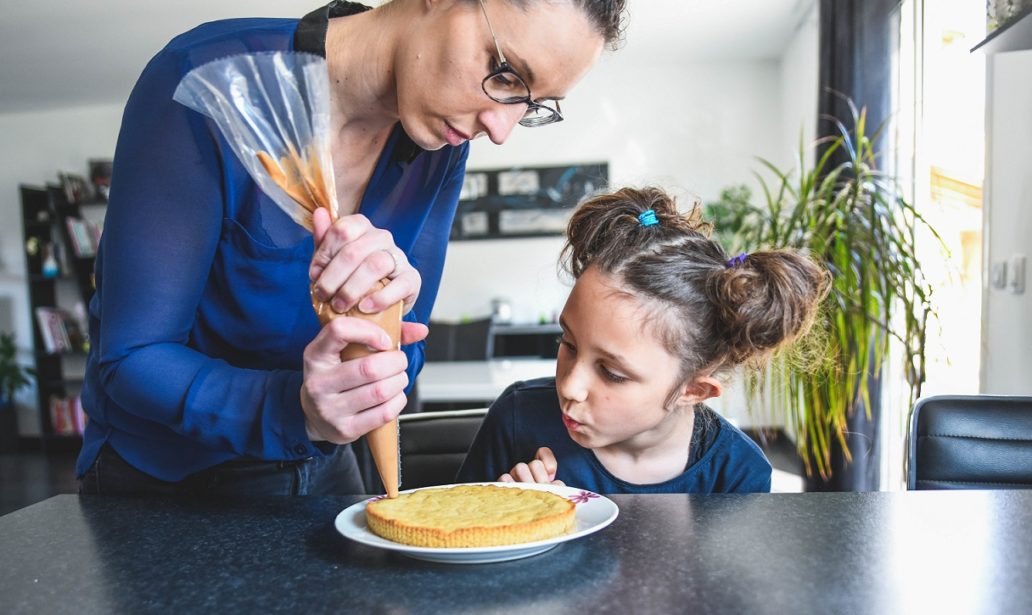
(1007, 317)
(799, 74)
(691, 128)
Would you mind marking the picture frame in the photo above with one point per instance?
(524, 201)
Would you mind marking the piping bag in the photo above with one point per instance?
(273, 108)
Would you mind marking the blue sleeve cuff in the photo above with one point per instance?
(296, 444)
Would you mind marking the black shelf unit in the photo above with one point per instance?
(1015, 35)
(58, 375)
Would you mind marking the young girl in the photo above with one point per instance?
(658, 317)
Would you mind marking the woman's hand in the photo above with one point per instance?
(343, 401)
(351, 256)
(541, 470)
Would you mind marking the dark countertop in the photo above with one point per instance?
(784, 553)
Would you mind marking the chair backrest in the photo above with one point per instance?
(473, 340)
(970, 442)
(440, 342)
(433, 445)
(466, 341)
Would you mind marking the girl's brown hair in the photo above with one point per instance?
(711, 311)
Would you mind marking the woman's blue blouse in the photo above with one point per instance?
(202, 309)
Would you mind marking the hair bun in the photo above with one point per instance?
(766, 300)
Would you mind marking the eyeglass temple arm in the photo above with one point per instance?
(501, 56)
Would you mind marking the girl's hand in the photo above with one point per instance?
(351, 256)
(541, 470)
(343, 401)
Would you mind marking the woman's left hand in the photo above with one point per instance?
(351, 256)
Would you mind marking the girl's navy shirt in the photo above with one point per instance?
(527, 416)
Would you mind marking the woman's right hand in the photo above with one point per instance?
(541, 469)
(344, 400)
(350, 257)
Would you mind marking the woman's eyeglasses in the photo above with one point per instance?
(504, 85)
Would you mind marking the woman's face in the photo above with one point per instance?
(613, 375)
(551, 45)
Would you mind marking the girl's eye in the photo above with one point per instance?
(612, 376)
(562, 342)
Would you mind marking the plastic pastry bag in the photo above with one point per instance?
(273, 108)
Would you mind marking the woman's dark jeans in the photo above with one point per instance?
(336, 473)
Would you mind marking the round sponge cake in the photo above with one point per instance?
(471, 516)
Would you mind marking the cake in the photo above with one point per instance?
(471, 516)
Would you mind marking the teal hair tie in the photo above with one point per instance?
(648, 218)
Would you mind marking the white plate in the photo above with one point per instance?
(594, 512)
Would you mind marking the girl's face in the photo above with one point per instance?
(613, 376)
(440, 68)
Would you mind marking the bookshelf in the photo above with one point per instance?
(60, 233)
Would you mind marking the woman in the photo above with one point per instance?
(209, 372)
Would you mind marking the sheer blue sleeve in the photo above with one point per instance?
(161, 232)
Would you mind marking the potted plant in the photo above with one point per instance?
(851, 217)
(13, 378)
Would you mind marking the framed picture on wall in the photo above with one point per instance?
(524, 201)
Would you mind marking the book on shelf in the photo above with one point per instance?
(66, 415)
(95, 231)
(52, 330)
(81, 236)
(61, 332)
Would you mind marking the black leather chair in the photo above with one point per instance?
(433, 445)
(970, 442)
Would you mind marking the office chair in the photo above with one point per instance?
(970, 442)
(433, 445)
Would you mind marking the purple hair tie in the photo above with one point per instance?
(736, 261)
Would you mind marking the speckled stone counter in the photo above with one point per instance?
(929, 552)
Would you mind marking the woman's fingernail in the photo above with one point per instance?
(386, 339)
(366, 306)
(314, 273)
(339, 306)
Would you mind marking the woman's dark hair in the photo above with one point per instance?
(608, 16)
(711, 311)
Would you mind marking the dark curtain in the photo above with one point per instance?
(858, 40)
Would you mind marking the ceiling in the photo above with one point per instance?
(70, 54)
